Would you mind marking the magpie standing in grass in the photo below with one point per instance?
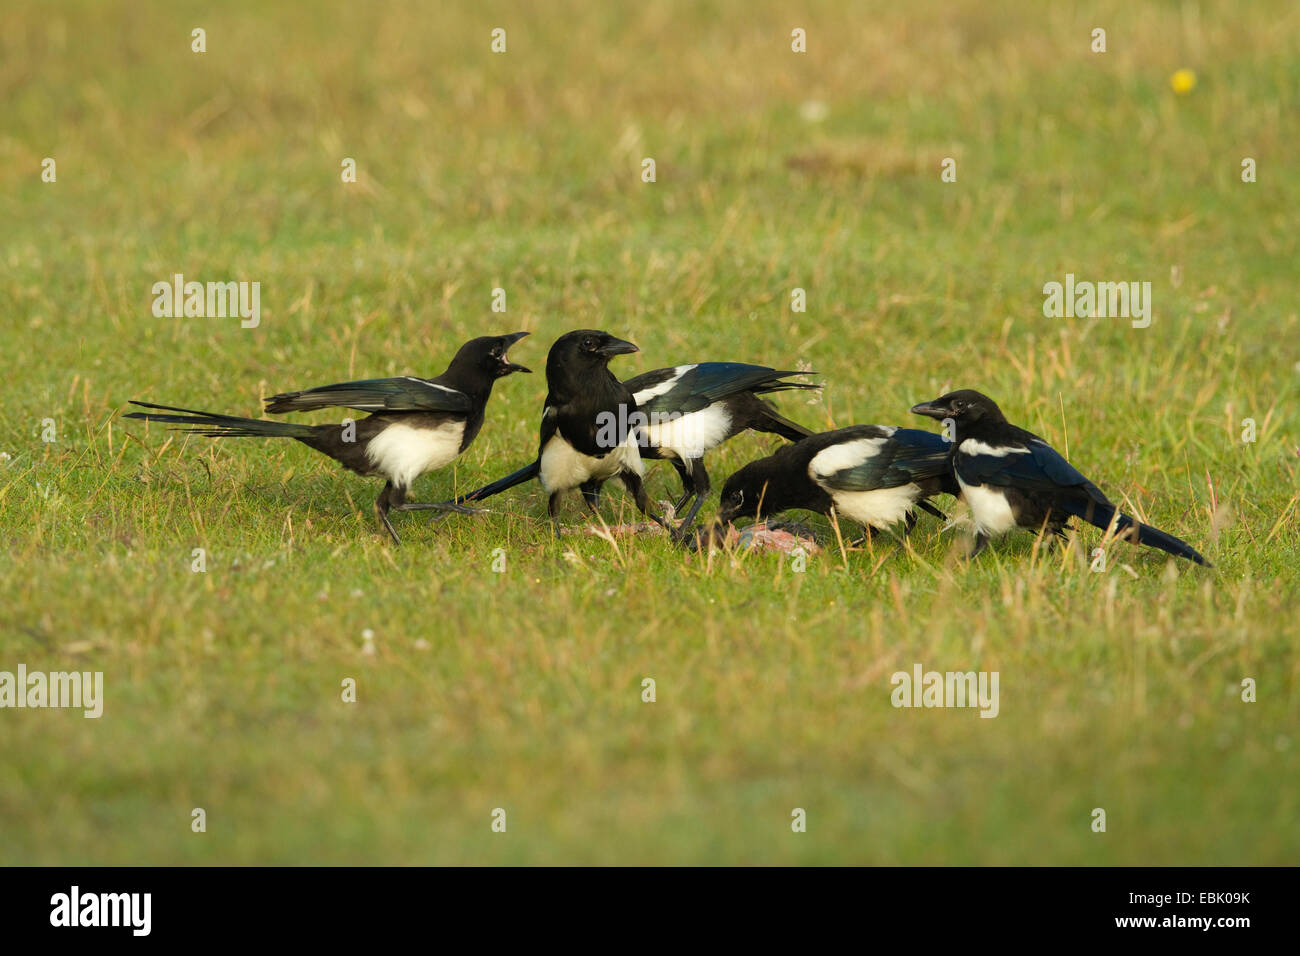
(691, 409)
(415, 425)
(1012, 478)
(875, 475)
(588, 432)
(685, 411)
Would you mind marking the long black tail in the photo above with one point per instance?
(1100, 516)
(779, 425)
(780, 385)
(221, 426)
(502, 484)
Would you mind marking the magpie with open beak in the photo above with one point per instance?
(415, 425)
(876, 475)
(691, 409)
(589, 431)
(1012, 478)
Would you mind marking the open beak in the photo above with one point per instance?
(932, 410)
(508, 367)
(617, 347)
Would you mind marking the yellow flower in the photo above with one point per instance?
(1183, 81)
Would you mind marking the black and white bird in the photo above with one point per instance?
(415, 425)
(683, 412)
(1012, 478)
(876, 475)
(589, 430)
(691, 409)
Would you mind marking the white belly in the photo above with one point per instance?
(689, 436)
(989, 508)
(880, 508)
(402, 453)
(564, 467)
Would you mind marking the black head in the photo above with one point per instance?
(749, 492)
(584, 351)
(483, 360)
(486, 355)
(964, 406)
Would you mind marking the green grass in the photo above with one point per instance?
(521, 690)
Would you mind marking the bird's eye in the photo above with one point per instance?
(738, 497)
(589, 344)
(496, 353)
(960, 403)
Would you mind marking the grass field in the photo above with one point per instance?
(521, 690)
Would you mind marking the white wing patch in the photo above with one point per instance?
(690, 436)
(845, 455)
(880, 507)
(402, 453)
(428, 384)
(664, 387)
(972, 446)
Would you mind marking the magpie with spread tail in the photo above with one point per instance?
(876, 475)
(415, 425)
(589, 428)
(1012, 478)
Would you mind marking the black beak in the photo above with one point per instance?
(932, 410)
(615, 346)
(508, 367)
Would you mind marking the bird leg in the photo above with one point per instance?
(931, 509)
(1054, 539)
(387, 498)
(981, 542)
(553, 510)
(688, 485)
(636, 487)
(700, 488)
(908, 524)
(868, 534)
(591, 495)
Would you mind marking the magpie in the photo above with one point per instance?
(1012, 478)
(691, 409)
(415, 425)
(875, 475)
(684, 411)
(589, 430)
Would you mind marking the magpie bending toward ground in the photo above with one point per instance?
(874, 474)
(1012, 478)
(589, 428)
(416, 425)
(691, 409)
